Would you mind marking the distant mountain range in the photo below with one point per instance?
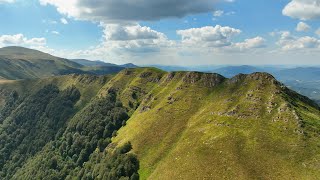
(299, 74)
(281, 73)
(96, 63)
(24, 63)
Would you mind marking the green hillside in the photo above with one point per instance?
(179, 125)
(195, 125)
(23, 63)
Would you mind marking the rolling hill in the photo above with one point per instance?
(153, 124)
(23, 63)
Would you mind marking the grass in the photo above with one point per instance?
(23, 63)
(194, 138)
(183, 128)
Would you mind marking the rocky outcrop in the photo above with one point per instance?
(259, 76)
(205, 79)
(236, 79)
(170, 76)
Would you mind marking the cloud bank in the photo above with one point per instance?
(208, 36)
(20, 40)
(303, 9)
(133, 10)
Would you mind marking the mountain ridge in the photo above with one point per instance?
(150, 147)
(177, 123)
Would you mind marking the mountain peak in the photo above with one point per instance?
(261, 75)
(12, 49)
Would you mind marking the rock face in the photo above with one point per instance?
(237, 78)
(261, 76)
(207, 80)
(127, 72)
(170, 76)
(211, 80)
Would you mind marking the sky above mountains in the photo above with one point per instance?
(180, 32)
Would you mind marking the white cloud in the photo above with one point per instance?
(303, 9)
(257, 42)
(217, 40)
(124, 10)
(127, 42)
(208, 36)
(117, 32)
(123, 43)
(20, 40)
(288, 42)
(64, 21)
(139, 44)
(125, 39)
(302, 27)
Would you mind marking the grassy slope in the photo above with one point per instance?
(195, 125)
(23, 63)
(185, 130)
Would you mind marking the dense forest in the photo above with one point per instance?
(42, 137)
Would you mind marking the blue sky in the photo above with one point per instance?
(34, 20)
(162, 32)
